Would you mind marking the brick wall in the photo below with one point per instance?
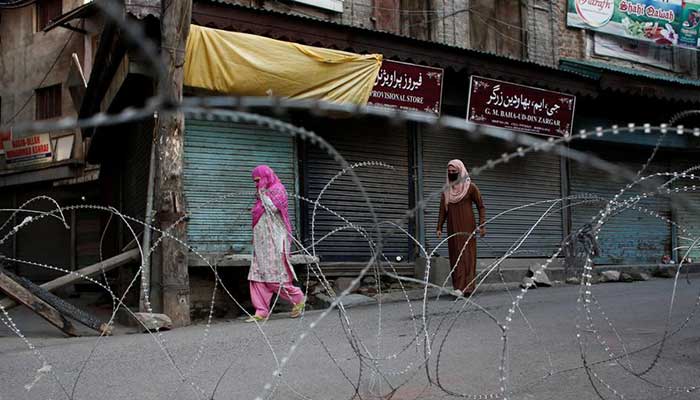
(573, 45)
(572, 41)
(534, 29)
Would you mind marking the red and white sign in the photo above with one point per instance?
(408, 87)
(595, 13)
(28, 150)
(4, 136)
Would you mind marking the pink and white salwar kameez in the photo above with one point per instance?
(270, 273)
(261, 294)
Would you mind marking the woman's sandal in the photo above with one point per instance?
(254, 318)
(296, 310)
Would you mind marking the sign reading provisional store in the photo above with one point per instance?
(520, 108)
(664, 22)
(408, 87)
(28, 150)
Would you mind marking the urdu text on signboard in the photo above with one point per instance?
(663, 22)
(520, 108)
(408, 87)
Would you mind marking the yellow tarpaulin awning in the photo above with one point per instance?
(251, 65)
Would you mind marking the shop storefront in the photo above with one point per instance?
(522, 195)
(685, 209)
(35, 171)
(219, 158)
(220, 155)
(524, 214)
(630, 235)
(638, 232)
(533, 183)
(387, 186)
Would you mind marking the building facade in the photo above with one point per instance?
(614, 81)
(42, 78)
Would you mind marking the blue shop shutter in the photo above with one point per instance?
(686, 204)
(219, 157)
(632, 236)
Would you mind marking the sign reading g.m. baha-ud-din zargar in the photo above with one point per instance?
(520, 108)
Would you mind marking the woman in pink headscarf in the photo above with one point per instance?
(456, 206)
(270, 270)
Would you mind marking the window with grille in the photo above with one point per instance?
(48, 102)
(47, 10)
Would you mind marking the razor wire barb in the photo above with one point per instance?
(245, 109)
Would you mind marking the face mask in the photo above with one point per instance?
(453, 176)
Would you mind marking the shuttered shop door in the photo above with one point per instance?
(387, 189)
(45, 241)
(219, 158)
(519, 182)
(6, 203)
(687, 206)
(135, 175)
(88, 236)
(629, 237)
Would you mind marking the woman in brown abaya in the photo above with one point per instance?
(456, 207)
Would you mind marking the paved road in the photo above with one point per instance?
(466, 350)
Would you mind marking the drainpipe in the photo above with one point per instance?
(151, 277)
(552, 32)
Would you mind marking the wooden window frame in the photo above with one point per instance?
(48, 102)
(51, 8)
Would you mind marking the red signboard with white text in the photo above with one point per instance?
(520, 108)
(408, 87)
(28, 150)
(4, 136)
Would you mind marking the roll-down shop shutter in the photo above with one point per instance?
(88, 235)
(522, 181)
(6, 203)
(388, 190)
(46, 240)
(630, 236)
(135, 171)
(219, 189)
(686, 205)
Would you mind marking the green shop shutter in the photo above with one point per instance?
(522, 181)
(219, 157)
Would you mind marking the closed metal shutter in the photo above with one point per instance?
(523, 181)
(631, 236)
(687, 211)
(135, 176)
(386, 188)
(219, 157)
(46, 241)
(88, 234)
(6, 203)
